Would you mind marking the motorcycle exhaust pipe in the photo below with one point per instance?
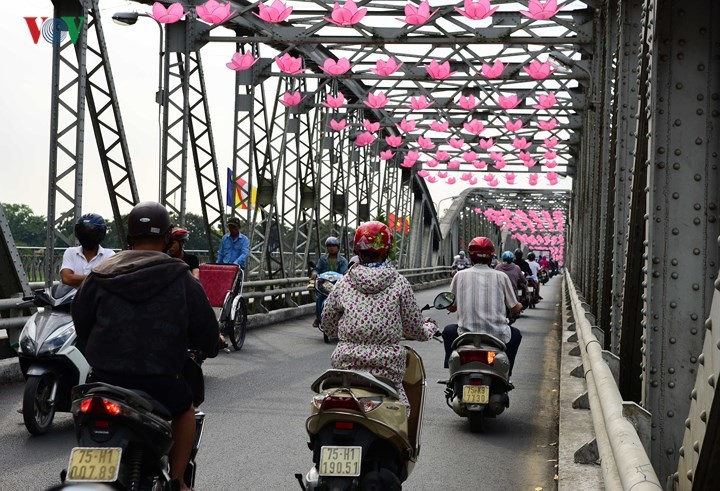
(497, 403)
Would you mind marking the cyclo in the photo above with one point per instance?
(223, 284)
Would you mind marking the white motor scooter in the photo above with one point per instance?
(49, 360)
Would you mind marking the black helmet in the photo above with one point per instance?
(90, 230)
(148, 219)
(332, 241)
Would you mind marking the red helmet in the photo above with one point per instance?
(373, 236)
(180, 233)
(481, 247)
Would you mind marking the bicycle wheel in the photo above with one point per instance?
(239, 328)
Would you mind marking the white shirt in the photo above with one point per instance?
(482, 295)
(534, 266)
(74, 259)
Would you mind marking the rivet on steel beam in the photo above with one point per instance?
(688, 423)
(696, 221)
(703, 416)
(693, 331)
(671, 385)
(689, 475)
(677, 152)
(676, 165)
(656, 260)
(653, 370)
(700, 112)
(694, 316)
(711, 381)
(671, 370)
(654, 383)
(701, 97)
(677, 122)
(681, 451)
(693, 394)
(698, 141)
(676, 195)
(701, 358)
(674, 261)
(679, 86)
(676, 231)
(693, 359)
(696, 251)
(673, 305)
(696, 446)
(670, 414)
(697, 206)
(674, 276)
(661, 150)
(697, 177)
(656, 274)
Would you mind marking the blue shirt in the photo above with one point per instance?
(233, 251)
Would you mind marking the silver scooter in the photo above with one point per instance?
(479, 378)
(49, 360)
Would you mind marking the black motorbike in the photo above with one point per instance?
(124, 436)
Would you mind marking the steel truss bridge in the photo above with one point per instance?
(637, 86)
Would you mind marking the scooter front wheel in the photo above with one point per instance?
(38, 410)
(238, 329)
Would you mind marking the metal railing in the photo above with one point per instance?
(625, 463)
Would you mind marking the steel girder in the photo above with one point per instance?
(81, 72)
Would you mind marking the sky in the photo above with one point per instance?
(25, 108)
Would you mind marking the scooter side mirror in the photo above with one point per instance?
(444, 300)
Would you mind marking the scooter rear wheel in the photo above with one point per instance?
(477, 421)
(38, 411)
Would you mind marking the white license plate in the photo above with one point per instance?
(340, 461)
(531, 289)
(94, 464)
(476, 394)
(519, 292)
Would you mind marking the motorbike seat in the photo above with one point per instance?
(476, 338)
(134, 398)
(354, 378)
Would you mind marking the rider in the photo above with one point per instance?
(177, 250)
(234, 246)
(534, 267)
(517, 278)
(331, 261)
(482, 296)
(371, 309)
(461, 262)
(525, 268)
(78, 261)
(138, 313)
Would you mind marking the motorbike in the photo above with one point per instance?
(359, 431)
(531, 294)
(479, 378)
(543, 276)
(124, 436)
(49, 358)
(324, 284)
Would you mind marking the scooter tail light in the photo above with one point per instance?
(370, 404)
(334, 402)
(98, 405)
(482, 356)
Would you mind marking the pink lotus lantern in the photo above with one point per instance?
(413, 155)
(480, 164)
(334, 102)
(499, 164)
(454, 164)
(407, 126)
(386, 155)
(419, 103)
(439, 71)
(533, 178)
(385, 68)
(442, 155)
(489, 177)
(469, 156)
(546, 101)
(442, 174)
(492, 183)
(493, 71)
(550, 155)
(550, 164)
(529, 163)
(289, 64)
(214, 12)
(456, 143)
(371, 127)
(551, 142)
(423, 173)
(468, 103)
(432, 163)
(473, 180)
(169, 15)
(394, 140)
(486, 144)
(346, 15)
(419, 15)
(513, 126)
(275, 12)
(466, 176)
(425, 143)
(551, 176)
(523, 155)
(510, 178)
(431, 179)
(450, 180)
(538, 70)
(476, 10)
(338, 125)
(439, 126)
(407, 163)
(474, 127)
(508, 102)
(521, 143)
(291, 99)
(336, 68)
(541, 11)
(241, 62)
(548, 125)
(364, 139)
(496, 155)
(378, 100)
